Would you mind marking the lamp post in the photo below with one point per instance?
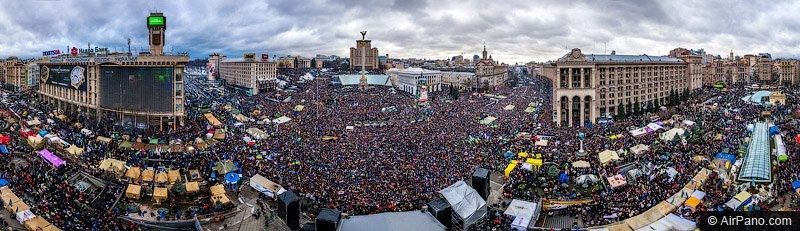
(581, 137)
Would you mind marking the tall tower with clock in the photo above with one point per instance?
(156, 25)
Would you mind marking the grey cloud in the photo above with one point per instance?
(514, 30)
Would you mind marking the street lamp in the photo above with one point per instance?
(581, 137)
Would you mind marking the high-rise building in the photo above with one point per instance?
(588, 86)
(370, 55)
(249, 73)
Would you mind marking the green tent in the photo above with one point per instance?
(783, 158)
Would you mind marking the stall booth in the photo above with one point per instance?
(133, 191)
(160, 194)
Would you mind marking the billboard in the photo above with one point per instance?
(156, 20)
(69, 76)
(141, 89)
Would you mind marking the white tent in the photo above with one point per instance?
(670, 222)
(607, 156)
(581, 164)
(25, 215)
(523, 209)
(670, 135)
(257, 133)
(392, 221)
(465, 202)
(688, 122)
(587, 178)
(266, 186)
(282, 119)
(639, 148)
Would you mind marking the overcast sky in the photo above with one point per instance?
(514, 31)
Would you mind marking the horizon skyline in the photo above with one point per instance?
(540, 31)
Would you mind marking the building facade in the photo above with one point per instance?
(694, 66)
(764, 67)
(370, 53)
(459, 80)
(16, 74)
(789, 71)
(489, 73)
(249, 73)
(144, 90)
(411, 79)
(587, 87)
(33, 74)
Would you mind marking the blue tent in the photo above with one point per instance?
(3, 149)
(563, 178)
(508, 155)
(42, 133)
(773, 130)
(796, 184)
(727, 156)
(3, 182)
(232, 178)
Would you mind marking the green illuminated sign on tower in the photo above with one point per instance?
(156, 20)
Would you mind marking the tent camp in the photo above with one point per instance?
(74, 150)
(134, 173)
(160, 194)
(161, 177)
(212, 120)
(192, 187)
(225, 166)
(173, 175)
(466, 203)
(52, 158)
(282, 119)
(299, 108)
(104, 139)
(523, 212)
(133, 191)
(617, 181)
(256, 133)
(638, 149)
(607, 156)
(148, 174)
(581, 164)
(670, 135)
(488, 120)
(392, 221)
(112, 165)
(509, 107)
(266, 186)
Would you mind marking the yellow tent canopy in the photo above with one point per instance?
(134, 173)
(133, 191)
(192, 187)
(159, 194)
(535, 162)
(217, 189)
(523, 155)
(74, 150)
(607, 156)
(174, 175)
(148, 174)
(161, 177)
(299, 108)
(113, 165)
(510, 168)
(222, 199)
(692, 202)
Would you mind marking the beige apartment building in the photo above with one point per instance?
(694, 66)
(249, 73)
(588, 86)
(789, 71)
(764, 68)
(15, 74)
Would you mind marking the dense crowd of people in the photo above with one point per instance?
(398, 153)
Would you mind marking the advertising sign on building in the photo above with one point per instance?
(69, 76)
(51, 53)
